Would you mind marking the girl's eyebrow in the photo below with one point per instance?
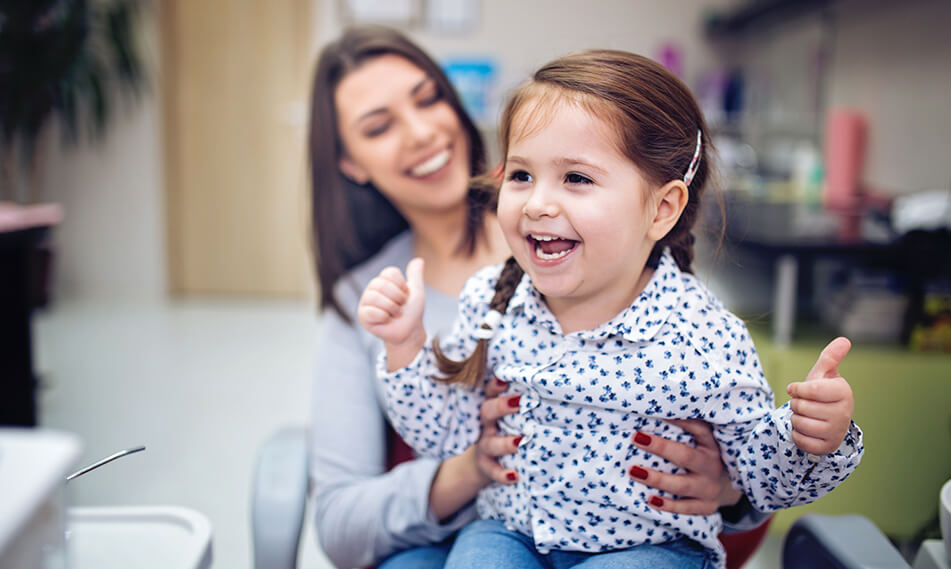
(562, 162)
(416, 89)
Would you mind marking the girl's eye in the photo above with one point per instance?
(519, 176)
(576, 178)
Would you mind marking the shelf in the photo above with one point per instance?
(760, 14)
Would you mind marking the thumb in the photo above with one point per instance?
(414, 277)
(827, 366)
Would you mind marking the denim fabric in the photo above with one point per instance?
(487, 543)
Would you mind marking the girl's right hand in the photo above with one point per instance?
(391, 307)
(491, 445)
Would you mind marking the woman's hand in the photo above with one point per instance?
(491, 445)
(459, 478)
(704, 488)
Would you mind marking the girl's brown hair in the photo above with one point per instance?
(656, 119)
(347, 219)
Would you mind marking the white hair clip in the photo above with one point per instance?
(694, 162)
(489, 324)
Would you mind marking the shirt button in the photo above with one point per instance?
(529, 429)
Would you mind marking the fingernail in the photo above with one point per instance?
(514, 401)
(511, 476)
(638, 472)
(642, 439)
(500, 383)
(517, 440)
(656, 501)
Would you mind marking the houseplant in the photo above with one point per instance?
(69, 60)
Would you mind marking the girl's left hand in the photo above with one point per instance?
(704, 488)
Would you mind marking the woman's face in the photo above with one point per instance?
(399, 133)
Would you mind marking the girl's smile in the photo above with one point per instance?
(578, 214)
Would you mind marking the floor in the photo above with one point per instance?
(201, 384)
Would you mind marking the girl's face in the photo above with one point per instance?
(579, 216)
(399, 132)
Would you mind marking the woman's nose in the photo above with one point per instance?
(420, 130)
(540, 203)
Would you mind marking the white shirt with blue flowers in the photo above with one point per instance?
(675, 353)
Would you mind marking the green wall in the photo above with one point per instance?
(903, 405)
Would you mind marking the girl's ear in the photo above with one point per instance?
(352, 170)
(671, 201)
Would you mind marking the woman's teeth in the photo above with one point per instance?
(431, 165)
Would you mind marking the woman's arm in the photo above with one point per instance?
(363, 514)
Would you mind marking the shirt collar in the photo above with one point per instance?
(639, 322)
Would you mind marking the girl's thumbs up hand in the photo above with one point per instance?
(391, 308)
(822, 405)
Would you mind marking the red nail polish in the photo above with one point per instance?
(657, 502)
(514, 401)
(511, 476)
(642, 439)
(638, 472)
(500, 383)
(517, 440)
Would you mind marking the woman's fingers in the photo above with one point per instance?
(680, 484)
(494, 409)
(495, 471)
(689, 506)
(496, 446)
(495, 387)
(688, 457)
(701, 430)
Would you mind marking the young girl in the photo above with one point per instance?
(598, 322)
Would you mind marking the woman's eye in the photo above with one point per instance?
(431, 98)
(576, 178)
(519, 176)
(376, 130)
(429, 95)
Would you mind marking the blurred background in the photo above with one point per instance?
(174, 302)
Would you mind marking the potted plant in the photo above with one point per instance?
(64, 59)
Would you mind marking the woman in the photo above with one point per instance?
(385, 117)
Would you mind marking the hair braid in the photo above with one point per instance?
(471, 370)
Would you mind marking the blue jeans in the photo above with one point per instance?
(486, 543)
(422, 557)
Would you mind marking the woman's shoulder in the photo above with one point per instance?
(397, 252)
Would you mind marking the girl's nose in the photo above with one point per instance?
(540, 204)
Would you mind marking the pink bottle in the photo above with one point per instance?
(844, 156)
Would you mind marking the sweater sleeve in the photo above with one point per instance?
(436, 418)
(362, 513)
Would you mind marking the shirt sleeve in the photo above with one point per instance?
(435, 418)
(756, 439)
(362, 513)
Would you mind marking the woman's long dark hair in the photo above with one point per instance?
(351, 222)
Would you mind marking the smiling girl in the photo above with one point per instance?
(598, 322)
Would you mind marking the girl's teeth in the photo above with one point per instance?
(550, 256)
(431, 165)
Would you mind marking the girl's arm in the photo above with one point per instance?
(759, 444)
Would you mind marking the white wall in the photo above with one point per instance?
(522, 35)
(893, 61)
(112, 240)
